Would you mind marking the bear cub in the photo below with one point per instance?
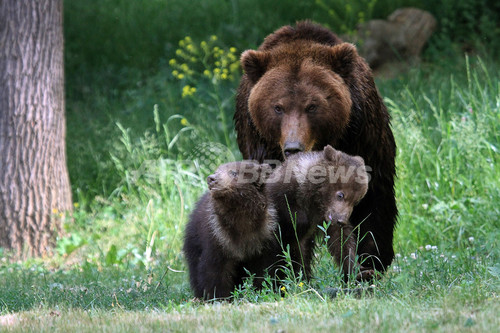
(315, 187)
(232, 222)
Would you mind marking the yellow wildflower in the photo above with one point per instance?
(232, 50)
(172, 62)
(187, 91)
(283, 288)
(184, 121)
(213, 38)
(180, 76)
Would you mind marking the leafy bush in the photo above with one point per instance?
(472, 23)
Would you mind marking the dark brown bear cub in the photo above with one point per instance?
(232, 222)
(313, 187)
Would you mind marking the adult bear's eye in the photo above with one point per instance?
(311, 108)
(278, 109)
(340, 195)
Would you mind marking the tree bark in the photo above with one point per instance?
(34, 184)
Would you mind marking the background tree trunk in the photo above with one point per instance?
(34, 183)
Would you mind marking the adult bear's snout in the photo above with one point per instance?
(292, 147)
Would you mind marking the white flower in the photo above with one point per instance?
(413, 256)
(428, 247)
(471, 239)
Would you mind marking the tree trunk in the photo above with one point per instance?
(34, 184)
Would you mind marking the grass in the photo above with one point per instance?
(429, 290)
(292, 315)
(139, 152)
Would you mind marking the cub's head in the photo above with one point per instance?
(338, 181)
(238, 180)
(299, 97)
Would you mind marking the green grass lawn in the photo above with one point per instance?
(141, 143)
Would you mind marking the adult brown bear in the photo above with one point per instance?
(304, 89)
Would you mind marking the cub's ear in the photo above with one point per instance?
(330, 153)
(343, 58)
(359, 160)
(265, 171)
(254, 64)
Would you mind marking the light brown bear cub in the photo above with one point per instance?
(313, 187)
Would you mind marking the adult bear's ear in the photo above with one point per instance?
(330, 153)
(343, 58)
(254, 64)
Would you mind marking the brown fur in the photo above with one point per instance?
(313, 187)
(231, 223)
(242, 216)
(304, 89)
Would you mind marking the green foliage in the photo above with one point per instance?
(448, 157)
(137, 34)
(346, 15)
(212, 71)
(472, 23)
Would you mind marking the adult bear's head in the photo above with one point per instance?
(299, 96)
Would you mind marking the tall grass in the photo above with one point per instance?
(448, 156)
